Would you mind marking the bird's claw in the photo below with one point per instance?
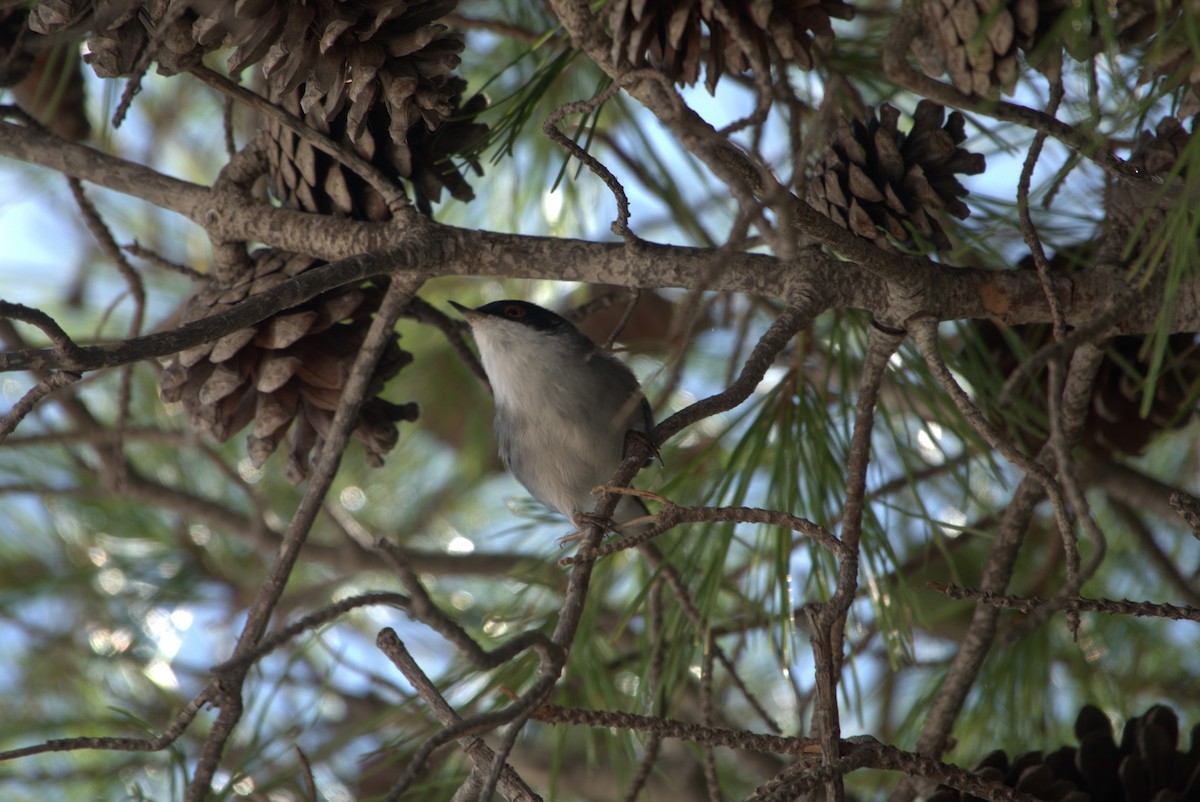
(635, 436)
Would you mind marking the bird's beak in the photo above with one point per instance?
(467, 312)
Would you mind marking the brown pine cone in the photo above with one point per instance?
(670, 36)
(975, 41)
(886, 185)
(303, 177)
(1141, 211)
(290, 367)
(1146, 766)
(374, 75)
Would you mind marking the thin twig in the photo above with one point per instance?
(1028, 229)
(1162, 562)
(345, 419)
(1085, 364)
(552, 654)
(671, 728)
(711, 782)
(673, 515)
(924, 331)
(975, 645)
(421, 608)
(1188, 507)
(1032, 604)
(863, 751)
(620, 226)
(176, 728)
(796, 315)
(60, 341)
(511, 786)
(1090, 331)
(634, 296)
(309, 622)
(158, 260)
(650, 752)
(675, 583)
(137, 291)
(897, 68)
(424, 312)
(35, 394)
(828, 620)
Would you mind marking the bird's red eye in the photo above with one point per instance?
(514, 311)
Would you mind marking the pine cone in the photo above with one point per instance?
(1114, 423)
(1146, 765)
(374, 75)
(1171, 54)
(669, 36)
(305, 178)
(975, 41)
(883, 184)
(1176, 64)
(1074, 27)
(292, 366)
(1139, 211)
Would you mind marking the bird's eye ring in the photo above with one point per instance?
(514, 311)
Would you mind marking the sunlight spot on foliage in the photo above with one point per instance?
(353, 498)
(330, 787)
(159, 672)
(244, 786)
(955, 519)
(182, 619)
(462, 600)
(627, 683)
(107, 642)
(131, 777)
(696, 671)
(168, 642)
(552, 206)
(200, 534)
(111, 581)
(495, 628)
(460, 545)
(12, 389)
(927, 441)
(167, 474)
(248, 472)
(1093, 648)
(791, 597)
(69, 527)
(98, 556)
(332, 706)
(771, 379)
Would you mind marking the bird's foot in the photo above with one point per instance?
(632, 491)
(635, 437)
(582, 521)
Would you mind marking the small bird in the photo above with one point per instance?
(563, 405)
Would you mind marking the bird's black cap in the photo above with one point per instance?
(521, 312)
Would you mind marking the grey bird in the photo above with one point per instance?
(564, 406)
